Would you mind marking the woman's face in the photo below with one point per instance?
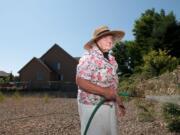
(105, 43)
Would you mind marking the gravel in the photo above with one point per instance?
(59, 116)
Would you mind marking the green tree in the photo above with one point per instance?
(11, 77)
(133, 52)
(128, 56)
(121, 55)
(154, 31)
(172, 39)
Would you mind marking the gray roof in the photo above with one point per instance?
(77, 58)
(3, 74)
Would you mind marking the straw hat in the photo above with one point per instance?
(103, 31)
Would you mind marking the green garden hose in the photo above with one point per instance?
(92, 115)
(124, 94)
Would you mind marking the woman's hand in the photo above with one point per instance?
(121, 108)
(109, 94)
(121, 111)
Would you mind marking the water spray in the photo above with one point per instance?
(174, 99)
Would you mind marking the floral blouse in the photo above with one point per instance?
(100, 71)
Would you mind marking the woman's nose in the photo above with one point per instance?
(110, 42)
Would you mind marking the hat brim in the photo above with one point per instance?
(117, 36)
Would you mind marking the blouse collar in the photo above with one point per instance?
(104, 55)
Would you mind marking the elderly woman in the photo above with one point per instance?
(96, 79)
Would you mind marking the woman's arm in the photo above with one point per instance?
(87, 86)
(121, 108)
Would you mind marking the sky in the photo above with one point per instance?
(28, 28)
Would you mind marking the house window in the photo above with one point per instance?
(60, 77)
(58, 65)
(39, 76)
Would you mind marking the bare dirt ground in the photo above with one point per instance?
(59, 116)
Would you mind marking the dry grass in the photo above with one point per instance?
(166, 84)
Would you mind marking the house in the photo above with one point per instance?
(52, 69)
(3, 74)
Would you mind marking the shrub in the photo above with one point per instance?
(1, 80)
(171, 113)
(158, 62)
(130, 84)
(127, 85)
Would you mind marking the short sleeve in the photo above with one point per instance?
(85, 67)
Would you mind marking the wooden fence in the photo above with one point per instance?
(52, 88)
